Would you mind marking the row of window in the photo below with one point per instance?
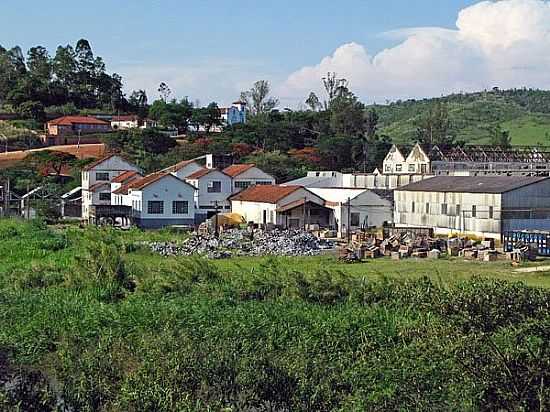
(156, 207)
(243, 184)
(411, 168)
(458, 211)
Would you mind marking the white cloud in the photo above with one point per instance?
(496, 43)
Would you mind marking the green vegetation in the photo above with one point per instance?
(524, 113)
(92, 321)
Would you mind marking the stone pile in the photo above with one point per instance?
(238, 242)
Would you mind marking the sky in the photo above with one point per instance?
(210, 50)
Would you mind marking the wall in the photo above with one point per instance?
(463, 221)
(253, 175)
(167, 189)
(527, 208)
(206, 199)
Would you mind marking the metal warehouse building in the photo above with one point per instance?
(484, 206)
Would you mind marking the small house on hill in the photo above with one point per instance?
(73, 130)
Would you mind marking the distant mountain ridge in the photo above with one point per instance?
(525, 113)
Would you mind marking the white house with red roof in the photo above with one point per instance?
(287, 206)
(213, 190)
(246, 175)
(96, 181)
(159, 200)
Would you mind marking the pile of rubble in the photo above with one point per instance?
(237, 242)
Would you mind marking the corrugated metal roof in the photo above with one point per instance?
(472, 184)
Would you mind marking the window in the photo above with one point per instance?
(105, 196)
(427, 208)
(354, 219)
(155, 207)
(443, 208)
(474, 211)
(412, 168)
(491, 212)
(387, 168)
(243, 184)
(457, 209)
(423, 169)
(215, 187)
(180, 207)
(398, 168)
(413, 207)
(102, 176)
(263, 182)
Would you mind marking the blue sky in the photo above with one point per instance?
(211, 49)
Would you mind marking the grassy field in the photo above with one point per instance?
(90, 320)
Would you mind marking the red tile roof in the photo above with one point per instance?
(92, 188)
(235, 170)
(70, 120)
(128, 175)
(265, 193)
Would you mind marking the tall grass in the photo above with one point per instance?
(86, 327)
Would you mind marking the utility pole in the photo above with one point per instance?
(7, 198)
(349, 220)
(216, 229)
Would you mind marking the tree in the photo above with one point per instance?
(334, 87)
(173, 114)
(138, 103)
(313, 102)
(257, 97)
(434, 127)
(51, 162)
(164, 91)
(32, 110)
(500, 137)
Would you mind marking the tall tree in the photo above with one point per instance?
(257, 98)
(164, 91)
(434, 127)
(500, 137)
(313, 102)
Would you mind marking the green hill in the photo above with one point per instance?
(524, 113)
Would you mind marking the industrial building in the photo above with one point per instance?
(483, 206)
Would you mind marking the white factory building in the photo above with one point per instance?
(483, 206)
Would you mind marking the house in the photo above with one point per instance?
(183, 169)
(286, 206)
(160, 199)
(246, 175)
(96, 182)
(483, 206)
(213, 190)
(234, 114)
(125, 122)
(416, 162)
(72, 130)
(355, 208)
